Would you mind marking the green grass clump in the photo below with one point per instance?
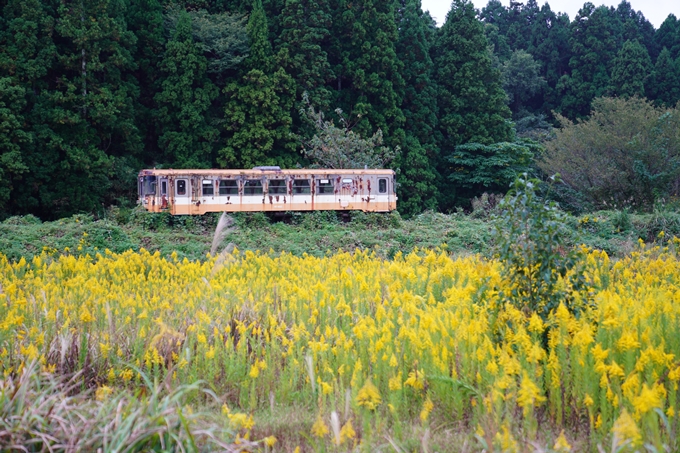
(40, 412)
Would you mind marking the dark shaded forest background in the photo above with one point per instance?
(91, 91)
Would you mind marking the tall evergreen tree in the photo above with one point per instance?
(305, 35)
(471, 100)
(258, 106)
(145, 18)
(367, 70)
(668, 36)
(27, 54)
(549, 45)
(187, 136)
(416, 163)
(595, 40)
(665, 84)
(85, 120)
(631, 69)
(635, 27)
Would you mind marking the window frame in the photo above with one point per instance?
(277, 189)
(253, 190)
(381, 182)
(228, 190)
(320, 186)
(302, 189)
(178, 182)
(209, 185)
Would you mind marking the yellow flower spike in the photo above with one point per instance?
(626, 430)
(320, 429)
(428, 405)
(529, 395)
(561, 444)
(270, 441)
(347, 431)
(648, 400)
(416, 379)
(369, 396)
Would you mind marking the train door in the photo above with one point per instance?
(196, 192)
(179, 189)
(163, 188)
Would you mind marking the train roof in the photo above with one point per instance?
(262, 171)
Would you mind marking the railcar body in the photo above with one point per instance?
(266, 189)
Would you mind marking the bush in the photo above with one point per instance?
(626, 154)
(531, 244)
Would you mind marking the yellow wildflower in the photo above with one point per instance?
(561, 444)
(648, 400)
(320, 429)
(416, 379)
(626, 430)
(428, 405)
(529, 395)
(369, 395)
(347, 431)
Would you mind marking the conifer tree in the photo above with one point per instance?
(470, 97)
(416, 163)
(86, 119)
(635, 27)
(145, 18)
(665, 84)
(258, 106)
(304, 37)
(366, 68)
(187, 135)
(631, 69)
(668, 36)
(549, 45)
(27, 54)
(595, 40)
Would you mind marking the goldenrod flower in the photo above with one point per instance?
(561, 444)
(369, 396)
(347, 431)
(529, 395)
(626, 430)
(320, 429)
(416, 379)
(428, 405)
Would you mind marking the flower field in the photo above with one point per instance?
(367, 345)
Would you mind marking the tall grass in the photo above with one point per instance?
(42, 412)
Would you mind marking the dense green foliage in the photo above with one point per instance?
(627, 154)
(531, 245)
(91, 92)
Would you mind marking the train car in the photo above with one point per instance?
(266, 189)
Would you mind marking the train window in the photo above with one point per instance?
(382, 185)
(324, 186)
(228, 187)
(164, 187)
(181, 187)
(277, 187)
(149, 185)
(252, 187)
(208, 188)
(301, 186)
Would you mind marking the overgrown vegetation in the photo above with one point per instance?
(46, 412)
(615, 232)
(626, 155)
(532, 247)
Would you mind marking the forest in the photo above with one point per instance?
(93, 91)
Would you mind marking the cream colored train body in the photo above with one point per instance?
(266, 189)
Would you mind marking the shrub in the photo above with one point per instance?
(532, 248)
